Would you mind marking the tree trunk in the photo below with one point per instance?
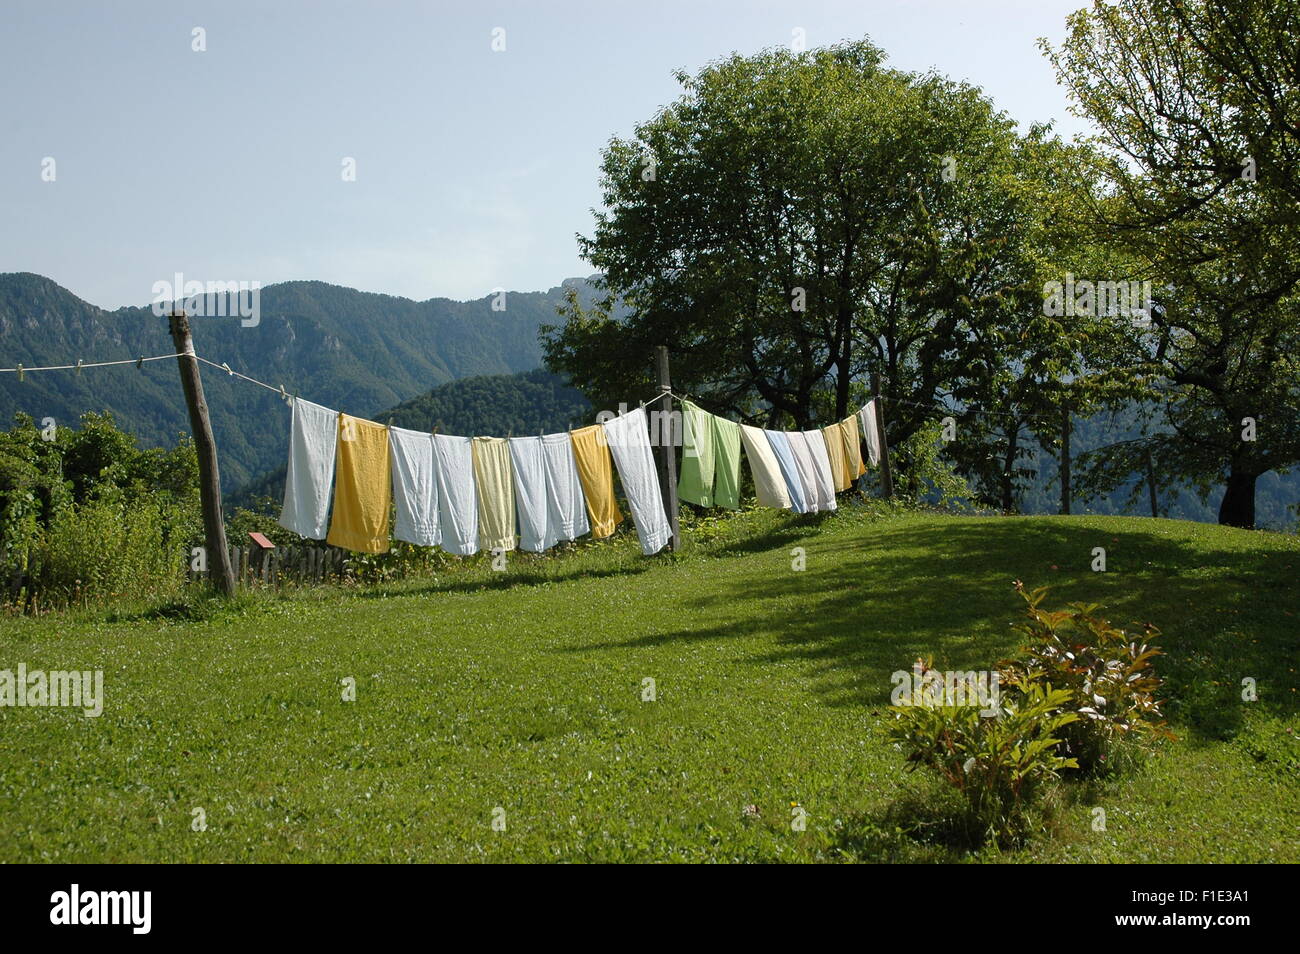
(1065, 459)
(844, 376)
(1238, 506)
(1008, 471)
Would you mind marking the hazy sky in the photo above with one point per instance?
(474, 168)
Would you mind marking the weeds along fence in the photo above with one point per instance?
(27, 588)
(255, 566)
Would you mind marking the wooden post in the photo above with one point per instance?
(1151, 486)
(668, 441)
(886, 471)
(214, 529)
(1065, 459)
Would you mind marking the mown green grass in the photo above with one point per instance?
(522, 691)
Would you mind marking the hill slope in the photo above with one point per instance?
(523, 690)
(356, 351)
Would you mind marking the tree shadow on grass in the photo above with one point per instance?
(868, 605)
(792, 528)
(501, 581)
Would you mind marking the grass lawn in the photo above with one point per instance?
(523, 691)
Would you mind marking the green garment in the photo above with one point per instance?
(696, 482)
(710, 459)
(726, 451)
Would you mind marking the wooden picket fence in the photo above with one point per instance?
(300, 565)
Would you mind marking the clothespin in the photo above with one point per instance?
(139, 362)
(225, 367)
(284, 397)
(20, 372)
(78, 366)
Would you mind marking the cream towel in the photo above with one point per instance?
(766, 470)
(496, 493)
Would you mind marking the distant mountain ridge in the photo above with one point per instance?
(359, 352)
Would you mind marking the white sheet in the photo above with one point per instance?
(566, 506)
(807, 467)
(629, 442)
(309, 477)
(529, 473)
(457, 500)
(415, 487)
(779, 441)
(870, 433)
(822, 469)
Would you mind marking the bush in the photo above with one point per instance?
(86, 516)
(998, 764)
(925, 474)
(1106, 671)
(114, 549)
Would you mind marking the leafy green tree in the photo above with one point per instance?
(1196, 106)
(797, 223)
(1040, 360)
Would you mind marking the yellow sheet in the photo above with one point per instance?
(834, 435)
(853, 446)
(362, 491)
(596, 473)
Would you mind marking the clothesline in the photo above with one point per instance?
(80, 365)
(465, 493)
(262, 384)
(869, 433)
(928, 407)
(21, 371)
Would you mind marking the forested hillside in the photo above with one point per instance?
(357, 351)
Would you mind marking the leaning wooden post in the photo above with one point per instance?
(1065, 458)
(885, 471)
(668, 439)
(214, 530)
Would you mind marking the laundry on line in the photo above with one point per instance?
(349, 478)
